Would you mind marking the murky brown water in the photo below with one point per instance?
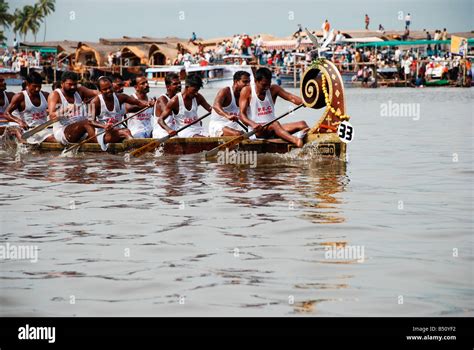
(166, 236)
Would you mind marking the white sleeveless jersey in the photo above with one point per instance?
(112, 117)
(158, 131)
(141, 123)
(4, 108)
(232, 109)
(261, 112)
(72, 112)
(185, 117)
(33, 115)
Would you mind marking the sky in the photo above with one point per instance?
(89, 20)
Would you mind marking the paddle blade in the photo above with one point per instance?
(149, 147)
(232, 143)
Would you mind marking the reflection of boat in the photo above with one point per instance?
(316, 93)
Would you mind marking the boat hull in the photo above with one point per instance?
(327, 146)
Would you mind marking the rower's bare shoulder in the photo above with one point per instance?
(53, 95)
(246, 91)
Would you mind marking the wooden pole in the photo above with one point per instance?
(294, 71)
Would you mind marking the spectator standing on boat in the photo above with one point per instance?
(109, 109)
(226, 111)
(381, 28)
(428, 48)
(444, 36)
(367, 22)
(29, 108)
(185, 106)
(141, 126)
(173, 86)
(257, 107)
(325, 27)
(339, 37)
(193, 38)
(407, 21)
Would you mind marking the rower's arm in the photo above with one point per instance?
(279, 91)
(244, 103)
(96, 104)
(170, 106)
(53, 102)
(123, 98)
(15, 104)
(219, 101)
(87, 93)
(202, 102)
(160, 106)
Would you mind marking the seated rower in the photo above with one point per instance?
(184, 106)
(257, 107)
(224, 119)
(141, 126)
(73, 124)
(109, 109)
(173, 86)
(5, 98)
(32, 107)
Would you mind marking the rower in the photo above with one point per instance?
(257, 107)
(141, 125)
(173, 86)
(5, 98)
(184, 106)
(109, 109)
(32, 106)
(73, 124)
(224, 119)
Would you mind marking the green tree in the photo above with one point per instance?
(28, 19)
(5, 19)
(46, 7)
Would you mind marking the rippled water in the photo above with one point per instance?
(166, 236)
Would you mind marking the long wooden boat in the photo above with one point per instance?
(323, 135)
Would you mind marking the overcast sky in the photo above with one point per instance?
(89, 20)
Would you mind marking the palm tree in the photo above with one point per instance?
(36, 18)
(26, 20)
(5, 19)
(46, 7)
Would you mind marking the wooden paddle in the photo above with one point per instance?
(46, 124)
(77, 145)
(149, 147)
(245, 136)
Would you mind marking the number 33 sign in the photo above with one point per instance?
(345, 132)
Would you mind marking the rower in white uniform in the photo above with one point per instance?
(141, 126)
(109, 109)
(173, 86)
(32, 106)
(226, 111)
(185, 108)
(5, 98)
(257, 107)
(74, 116)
